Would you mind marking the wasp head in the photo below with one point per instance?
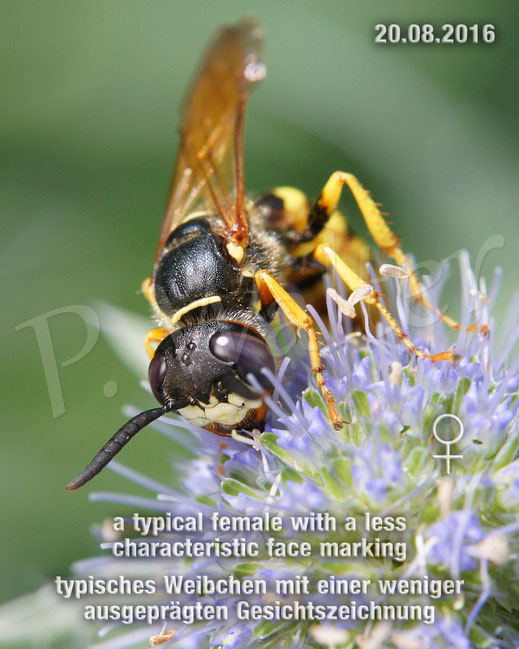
(202, 371)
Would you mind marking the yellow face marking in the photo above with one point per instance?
(203, 301)
(229, 414)
(194, 415)
(235, 251)
(240, 401)
(226, 414)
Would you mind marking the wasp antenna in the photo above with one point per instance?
(115, 444)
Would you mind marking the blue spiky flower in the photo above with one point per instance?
(457, 525)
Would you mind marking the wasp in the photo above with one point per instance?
(224, 262)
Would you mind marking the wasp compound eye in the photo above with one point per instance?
(249, 353)
(156, 374)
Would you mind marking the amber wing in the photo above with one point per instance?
(209, 168)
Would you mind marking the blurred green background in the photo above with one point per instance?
(90, 92)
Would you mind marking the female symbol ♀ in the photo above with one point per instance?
(448, 442)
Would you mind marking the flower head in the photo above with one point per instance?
(383, 463)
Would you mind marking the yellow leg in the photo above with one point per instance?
(326, 256)
(382, 234)
(270, 289)
(154, 336)
(148, 291)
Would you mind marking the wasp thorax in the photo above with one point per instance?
(203, 371)
(193, 269)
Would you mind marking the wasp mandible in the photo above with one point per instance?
(223, 260)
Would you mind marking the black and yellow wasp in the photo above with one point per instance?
(223, 259)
